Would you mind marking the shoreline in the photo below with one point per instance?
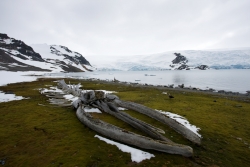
(218, 86)
(185, 89)
(35, 76)
(231, 81)
(16, 77)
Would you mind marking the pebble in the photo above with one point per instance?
(238, 138)
(238, 105)
(2, 161)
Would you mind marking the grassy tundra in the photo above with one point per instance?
(47, 135)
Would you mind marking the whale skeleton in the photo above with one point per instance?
(109, 103)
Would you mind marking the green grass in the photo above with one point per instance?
(34, 135)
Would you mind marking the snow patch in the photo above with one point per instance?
(15, 65)
(70, 97)
(136, 154)
(122, 109)
(52, 89)
(96, 110)
(182, 121)
(3, 68)
(9, 97)
(43, 65)
(8, 41)
(14, 77)
(107, 91)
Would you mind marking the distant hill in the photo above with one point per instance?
(15, 55)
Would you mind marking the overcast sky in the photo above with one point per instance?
(128, 27)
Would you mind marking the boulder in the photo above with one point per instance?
(202, 67)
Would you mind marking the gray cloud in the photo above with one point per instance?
(115, 27)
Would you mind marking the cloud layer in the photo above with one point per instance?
(116, 27)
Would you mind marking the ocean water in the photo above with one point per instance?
(236, 80)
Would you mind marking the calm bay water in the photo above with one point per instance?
(228, 80)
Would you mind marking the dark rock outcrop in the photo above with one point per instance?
(180, 59)
(183, 67)
(181, 63)
(3, 36)
(202, 67)
(13, 44)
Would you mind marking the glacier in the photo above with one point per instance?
(214, 59)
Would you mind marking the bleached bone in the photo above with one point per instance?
(130, 138)
(109, 103)
(187, 133)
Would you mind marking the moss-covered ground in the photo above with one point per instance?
(36, 135)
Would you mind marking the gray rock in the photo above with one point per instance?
(211, 90)
(228, 92)
(183, 67)
(181, 86)
(221, 91)
(238, 105)
(2, 161)
(202, 67)
(171, 86)
(9, 92)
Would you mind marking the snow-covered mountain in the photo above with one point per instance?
(61, 56)
(15, 55)
(181, 60)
